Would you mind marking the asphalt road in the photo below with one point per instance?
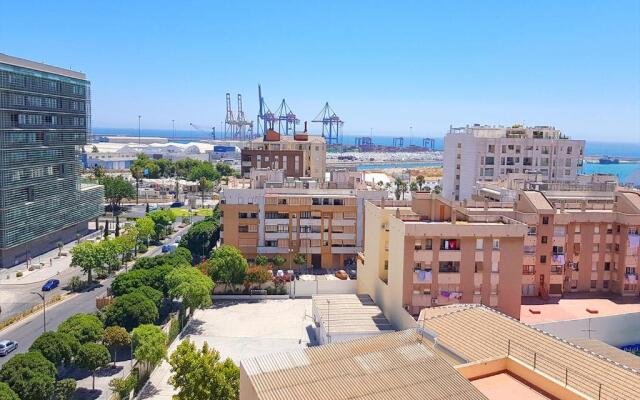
(27, 331)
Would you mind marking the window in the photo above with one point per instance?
(30, 194)
(558, 250)
(528, 269)
(607, 266)
(450, 244)
(596, 229)
(491, 149)
(494, 266)
(543, 259)
(596, 247)
(532, 231)
(479, 244)
(577, 229)
(559, 231)
(593, 284)
(479, 266)
(496, 244)
(605, 284)
(449, 267)
(428, 244)
(545, 220)
(243, 228)
(543, 240)
(488, 161)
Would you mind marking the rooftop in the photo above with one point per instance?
(475, 333)
(349, 313)
(23, 63)
(392, 366)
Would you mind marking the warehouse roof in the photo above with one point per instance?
(392, 366)
(475, 333)
(349, 314)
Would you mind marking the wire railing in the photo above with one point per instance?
(570, 377)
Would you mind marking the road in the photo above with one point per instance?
(27, 331)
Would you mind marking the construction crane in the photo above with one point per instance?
(230, 124)
(266, 118)
(287, 118)
(204, 130)
(244, 127)
(331, 124)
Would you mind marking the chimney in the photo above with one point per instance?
(398, 212)
(454, 217)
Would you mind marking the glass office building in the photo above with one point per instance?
(44, 122)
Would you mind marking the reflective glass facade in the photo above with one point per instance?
(44, 122)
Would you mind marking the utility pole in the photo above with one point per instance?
(139, 136)
(44, 311)
(173, 127)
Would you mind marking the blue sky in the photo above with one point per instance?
(384, 65)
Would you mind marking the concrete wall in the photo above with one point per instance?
(616, 330)
(302, 288)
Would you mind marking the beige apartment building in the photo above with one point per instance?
(299, 155)
(477, 153)
(276, 216)
(432, 253)
(576, 241)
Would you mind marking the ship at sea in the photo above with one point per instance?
(609, 160)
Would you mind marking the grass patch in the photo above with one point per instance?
(184, 212)
(18, 317)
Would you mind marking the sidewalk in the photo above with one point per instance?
(46, 266)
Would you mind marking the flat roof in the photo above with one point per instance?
(397, 365)
(21, 62)
(610, 352)
(350, 314)
(475, 332)
(290, 138)
(537, 311)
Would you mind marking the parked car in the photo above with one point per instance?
(50, 285)
(177, 239)
(7, 346)
(176, 204)
(169, 248)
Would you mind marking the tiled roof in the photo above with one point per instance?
(475, 332)
(538, 200)
(350, 313)
(391, 366)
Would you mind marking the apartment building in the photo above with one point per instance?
(285, 216)
(44, 121)
(299, 155)
(576, 241)
(431, 253)
(488, 153)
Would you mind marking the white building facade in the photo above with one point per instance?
(487, 153)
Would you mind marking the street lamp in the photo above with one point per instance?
(173, 126)
(44, 311)
(139, 136)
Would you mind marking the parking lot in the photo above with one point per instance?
(241, 330)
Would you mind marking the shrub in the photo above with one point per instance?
(142, 248)
(64, 389)
(19, 274)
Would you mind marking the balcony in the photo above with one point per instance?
(422, 276)
(630, 278)
(276, 235)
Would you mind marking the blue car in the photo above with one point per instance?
(50, 285)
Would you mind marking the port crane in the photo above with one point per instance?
(331, 124)
(265, 115)
(287, 118)
(204, 130)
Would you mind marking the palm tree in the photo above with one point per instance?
(437, 189)
(138, 174)
(399, 188)
(420, 181)
(204, 184)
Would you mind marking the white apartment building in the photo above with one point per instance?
(487, 153)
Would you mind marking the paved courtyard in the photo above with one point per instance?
(241, 330)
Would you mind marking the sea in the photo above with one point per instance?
(626, 172)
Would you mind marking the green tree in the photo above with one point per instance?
(203, 170)
(183, 167)
(123, 386)
(131, 310)
(59, 348)
(137, 173)
(115, 337)
(166, 167)
(184, 253)
(257, 276)
(162, 220)
(116, 189)
(129, 281)
(93, 356)
(84, 327)
(201, 237)
(30, 375)
(227, 265)
(299, 259)
(190, 285)
(420, 181)
(279, 261)
(146, 228)
(262, 261)
(89, 257)
(64, 389)
(224, 169)
(98, 172)
(151, 294)
(6, 393)
(109, 252)
(413, 187)
(199, 374)
(399, 191)
(150, 344)
(437, 189)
